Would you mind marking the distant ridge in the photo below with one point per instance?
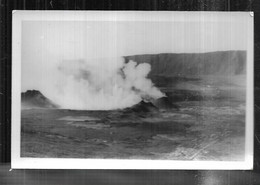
(35, 99)
(194, 64)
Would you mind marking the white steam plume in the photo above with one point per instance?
(103, 84)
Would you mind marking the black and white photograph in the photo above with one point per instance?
(132, 90)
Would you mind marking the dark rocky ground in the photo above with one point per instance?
(202, 116)
(199, 130)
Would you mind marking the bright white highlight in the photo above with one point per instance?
(102, 84)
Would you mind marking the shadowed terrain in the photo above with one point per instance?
(201, 116)
(35, 99)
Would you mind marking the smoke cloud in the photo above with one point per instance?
(103, 84)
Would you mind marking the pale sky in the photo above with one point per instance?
(47, 43)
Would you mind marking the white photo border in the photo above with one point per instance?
(18, 162)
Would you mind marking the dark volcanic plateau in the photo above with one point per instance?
(201, 116)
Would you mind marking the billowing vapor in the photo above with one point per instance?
(103, 84)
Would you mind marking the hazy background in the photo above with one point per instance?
(48, 45)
